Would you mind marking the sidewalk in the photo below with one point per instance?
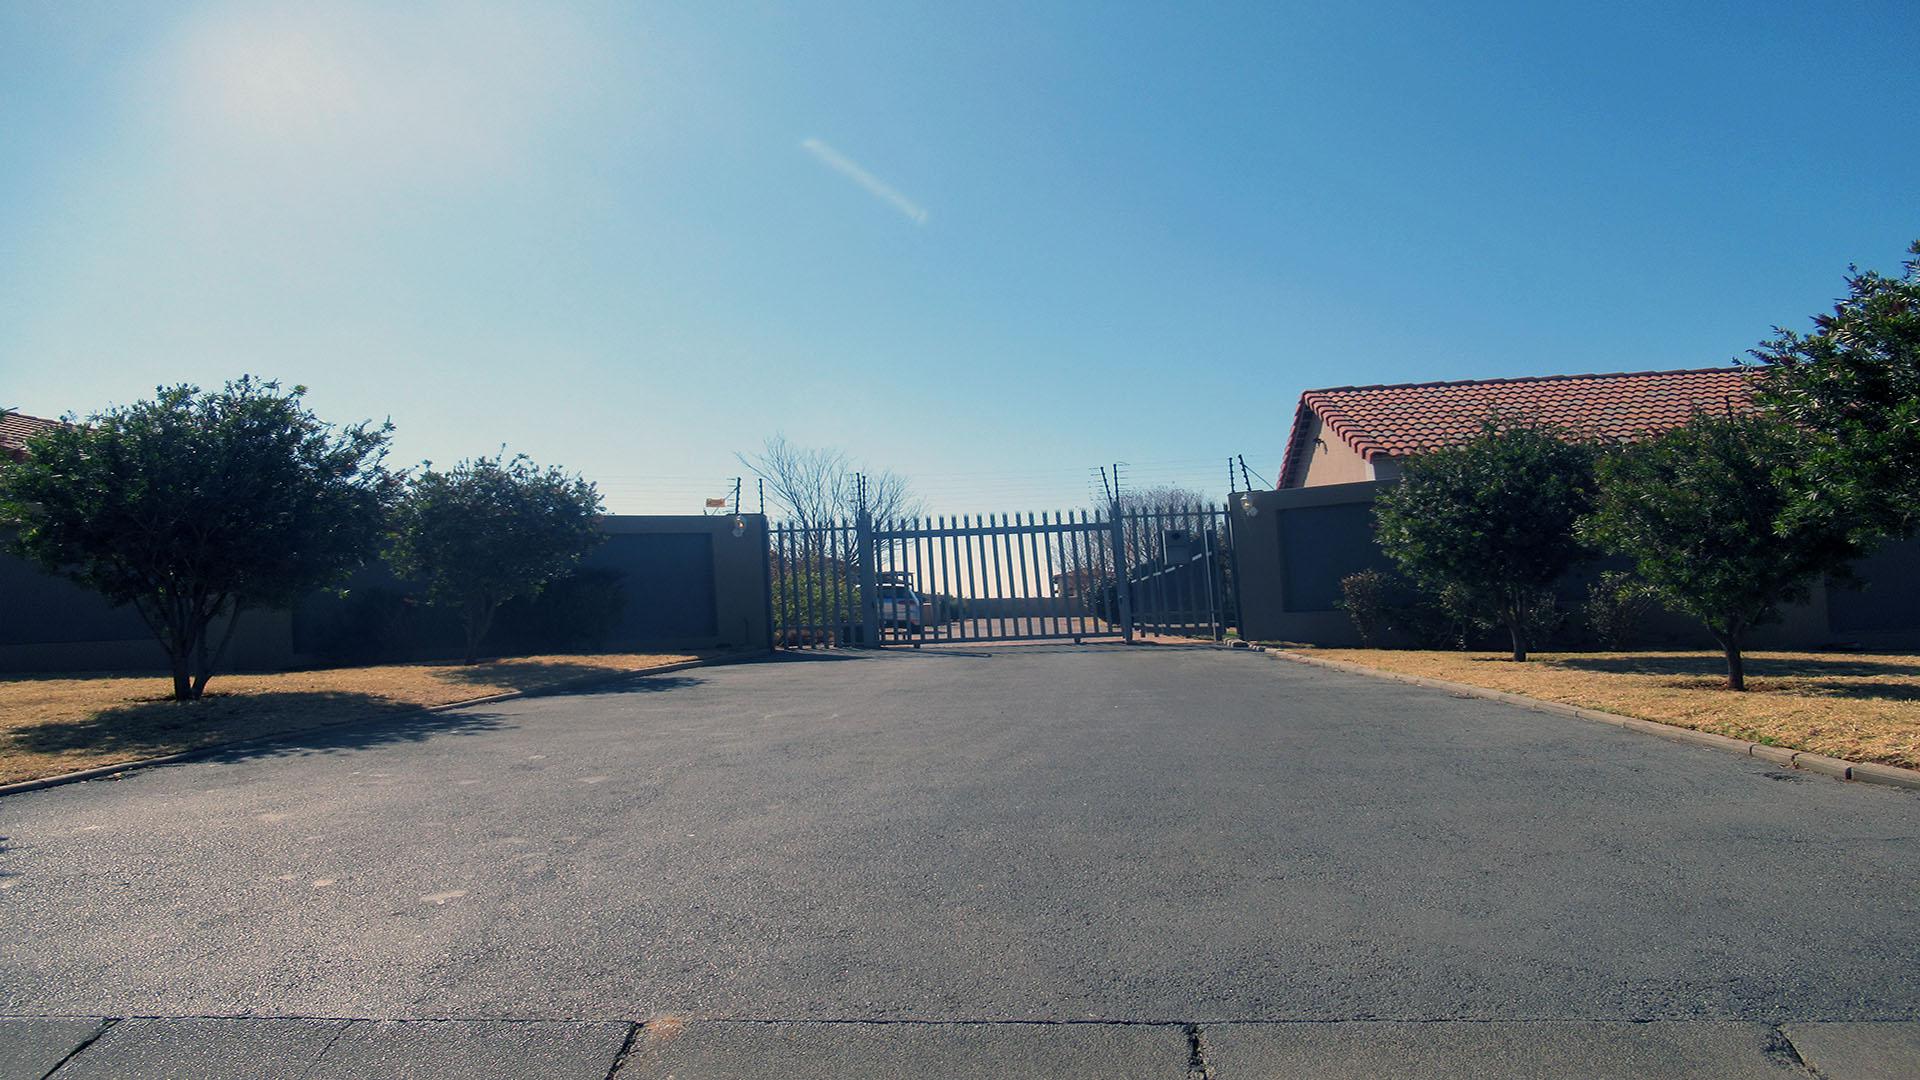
(227, 1049)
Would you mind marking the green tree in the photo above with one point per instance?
(490, 530)
(1704, 513)
(193, 506)
(1489, 525)
(1853, 385)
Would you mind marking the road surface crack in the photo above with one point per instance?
(1197, 1067)
(105, 1026)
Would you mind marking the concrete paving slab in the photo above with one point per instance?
(202, 1049)
(819, 1051)
(472, 1050)
(1859, 1051)
(1556, 1050)
(31, 1046)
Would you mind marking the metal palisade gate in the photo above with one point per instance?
(815, 579)
(1069, 575)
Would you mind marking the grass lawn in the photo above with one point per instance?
(1860, 707)
(51, 724)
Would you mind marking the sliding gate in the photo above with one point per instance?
(1068, 576)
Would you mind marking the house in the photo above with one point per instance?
(1293, 545)
(16, 429)
(1349, 434)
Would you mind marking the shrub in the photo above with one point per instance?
(492, 530)
(1488, 526)
(1364, 598)
(1616, 604)
(1387, 610)
(574, 613)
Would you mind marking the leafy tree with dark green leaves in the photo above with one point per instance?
(1489, 525)
(1705, 513)
(1853, 385)
(193, 506)
(490, 530)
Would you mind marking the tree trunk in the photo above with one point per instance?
(1736, 664)
(182, 678)
(177, 639)
(207, 660)
(479, 620)
(1518, 633)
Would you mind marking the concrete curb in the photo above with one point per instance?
(584, 683)
(1863, 772)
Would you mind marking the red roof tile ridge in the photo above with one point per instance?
(1603, 401)
(1742, 369)
(17, 427)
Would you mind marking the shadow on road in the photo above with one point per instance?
(532, 676)
(652, 684)
(813, 656)
(950, 649)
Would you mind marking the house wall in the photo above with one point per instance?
(683, 583)
(1290, 555)
(48, 623)
(687, 582)
(1883, 604)
(1330, 460)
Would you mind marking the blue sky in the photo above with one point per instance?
(989, 247)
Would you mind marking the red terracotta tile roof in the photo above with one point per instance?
(1414, 418)
(16, 428)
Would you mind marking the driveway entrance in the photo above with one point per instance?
(1184, 837)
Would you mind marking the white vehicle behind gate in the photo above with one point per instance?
(901, 608)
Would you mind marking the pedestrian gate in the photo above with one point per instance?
(1072, 576)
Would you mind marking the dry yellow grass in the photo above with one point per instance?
(52, 724)
(1856, 706)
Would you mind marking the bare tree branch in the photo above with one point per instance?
(816, 486)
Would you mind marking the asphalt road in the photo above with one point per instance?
(1157, 835)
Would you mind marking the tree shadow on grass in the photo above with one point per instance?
(1757, 666)
(1811, 676)
(1829, 688)
(287, 722)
